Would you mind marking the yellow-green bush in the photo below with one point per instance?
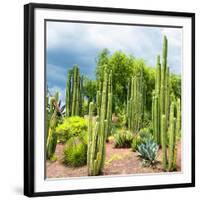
(141, 137)
(71, 127)
(75, 152)
(134, 144)
(145, 133)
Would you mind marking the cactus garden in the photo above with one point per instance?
(125, 119)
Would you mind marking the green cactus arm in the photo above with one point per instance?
(74, 92)
(77, 100)
(68, 94)
(178, 114)
(163, 141)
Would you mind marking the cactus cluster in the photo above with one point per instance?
(98, 129)
(52, 123)
(161, 95)
(169, 138)
(74, 87)
(165, 126)
(135, 102)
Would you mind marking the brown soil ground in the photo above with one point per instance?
(118, 161)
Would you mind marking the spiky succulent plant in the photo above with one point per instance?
(148, 152)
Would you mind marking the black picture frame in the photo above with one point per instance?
(29, 98)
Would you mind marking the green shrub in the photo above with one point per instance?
(114, 128)
(122, 119)
(148, 152)
(123, 139)
(134, 144)
(53, 158)
(75, 152)
(111, 139)
(145, 134)
(71, 127)
(138, 139)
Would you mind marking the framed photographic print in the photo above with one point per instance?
(109, 99)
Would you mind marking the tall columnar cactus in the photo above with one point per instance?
(167, 95)
(81, 97)
(109, 104)
(172, 138)
(52, 136)
(109, 114)
(163, 141)
(77, 99)
(164, 79)
(156, 117)
(74, 96)
(98, 129)
(178, 116)
(68, 94)
(161, 94)
(163, 112)
(98, 102)
(47, 116)
(75, 85)
(135, 102)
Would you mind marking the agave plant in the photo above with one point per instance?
(148, 152)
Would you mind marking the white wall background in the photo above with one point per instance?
(11, 97)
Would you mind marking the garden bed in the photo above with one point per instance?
(118, 161)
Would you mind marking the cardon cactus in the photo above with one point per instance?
(52, 136)
(163, 116)
(178, 116)
(172, 138)
(161, 94)
(97, 130)
(109, 104)
(163, 141)
(47, 116)
(135, 102)
(156, 103)
(74, 98)
(68, 94)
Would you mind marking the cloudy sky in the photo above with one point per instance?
(78, 43)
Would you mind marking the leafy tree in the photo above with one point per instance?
(125, 66)
(89, 89)
(122, 68)
(149, 76)
(175, 81)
